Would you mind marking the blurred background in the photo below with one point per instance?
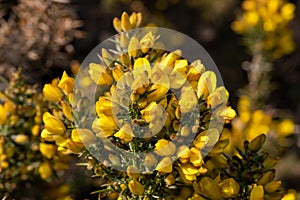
(46, 37)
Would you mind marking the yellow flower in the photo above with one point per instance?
(82, 135)
(141, 68)
(35, 130)
(47, 150)
(165, 165)
(167, 63)
(165, 148)
(195, 157)
(45, 170)
(20, 138)
(3, 117)
(100, 74)
(52, 92)
(229, 188)
(133, 172)
(287, 11)
(285, 128)
(104, 106)
(67, 110)
(206, 84)
(152, 112)
(210, 187)
(53, 124)
(136, 187)
(9, 107)
(291, 195)
(125, 133)
(66, 83)
(117, 72)
(257, 193)
(150, 160)
(170, 179)
(188, 100)
(188, 172)
(104, 126)
(251, 18)
(147, 42)
(219, 96)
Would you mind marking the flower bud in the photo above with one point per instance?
(133, 47)
(269, 163)
(257, 193)
(117, 24)
(272, 186)
(20, 138)
(125, 22)
(257, 142)
(123, 40)
(266, 178)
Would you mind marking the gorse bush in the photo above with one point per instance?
(147, 122)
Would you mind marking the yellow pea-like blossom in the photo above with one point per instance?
(104, 106)
(141, 68)
(20, 138)
(165, 165)
(52, 92)
(164, 147)
(136, 187)
(150, 160)
(53, 124)
(104, 126)
(45, 170)
(206, 84)
(133, 172)
(147, 42)
(47, 150)
(125, 133)
(82, 135)
(3, 117)
(100, 74)
(229, 188)
(66, 83)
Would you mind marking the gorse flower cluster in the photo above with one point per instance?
(24, 158)
(267, 21)
(165, 111)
